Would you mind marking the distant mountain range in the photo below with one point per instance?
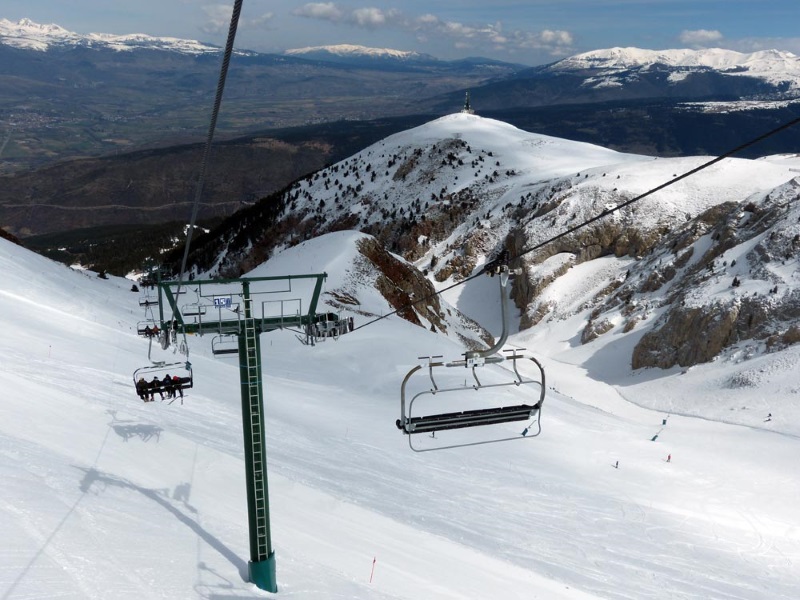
(27, 35)
(100, 93)
(134, 109)
(781, 69)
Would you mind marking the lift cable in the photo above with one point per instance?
(489, 267)
(237, 9)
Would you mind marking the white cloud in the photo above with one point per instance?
(326, 11)
(373, 17)
(755, 44)
(429, 26)
(556, 38)
(218, 19)
(258, 21)
(700, 37)
(554, 42)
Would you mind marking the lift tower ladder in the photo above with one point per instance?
(261, 553)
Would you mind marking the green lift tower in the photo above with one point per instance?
(244, 308)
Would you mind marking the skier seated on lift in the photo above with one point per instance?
(141, 389)
(177, 386)
(148, 332)
(169, 386)
(155, 386)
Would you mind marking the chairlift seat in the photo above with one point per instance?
(182, 383)
(226, 351)
(467, 418)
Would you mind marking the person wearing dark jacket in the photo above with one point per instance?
(141, 389)
(155, 386)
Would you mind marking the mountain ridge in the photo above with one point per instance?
(28, 35)
(772, 66)
(452, 194)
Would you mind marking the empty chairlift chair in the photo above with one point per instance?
(505, 396)
(225, 345)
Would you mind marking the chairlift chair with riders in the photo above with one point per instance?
(479, 402)
(149, 380)
(145, 328)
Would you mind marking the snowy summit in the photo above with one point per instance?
(770, 65)
(28, 35)
(354, 50)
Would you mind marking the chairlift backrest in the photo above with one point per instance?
(193, 310)
(225, 344)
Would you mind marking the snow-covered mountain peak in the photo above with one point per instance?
(354, 50)
(715, 58)
(26, 34)
(771, 65)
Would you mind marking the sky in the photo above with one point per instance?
(523, 31)
(656, 484)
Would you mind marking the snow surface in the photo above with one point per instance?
(104, 496)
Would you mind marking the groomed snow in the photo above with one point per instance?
(104, 496)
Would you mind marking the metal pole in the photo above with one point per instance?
(261, 567)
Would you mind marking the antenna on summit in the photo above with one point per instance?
(467, 106)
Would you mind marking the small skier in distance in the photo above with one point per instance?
(669, 457)
(616, 465)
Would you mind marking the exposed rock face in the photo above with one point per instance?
(696, 335)
(688, 335)
(594, 329)
(7, 236)
(402, 285)
(410, 293)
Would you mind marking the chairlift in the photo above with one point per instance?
(225, 344)
(328, 325)
(145, 328)
(149, 381)
(148, 300)
(461, 408)
(193, 310)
